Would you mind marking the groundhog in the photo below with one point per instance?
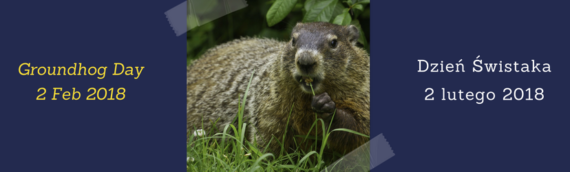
(320, 57)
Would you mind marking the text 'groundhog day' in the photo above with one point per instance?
(78, 69)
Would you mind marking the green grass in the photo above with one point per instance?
(225, 152)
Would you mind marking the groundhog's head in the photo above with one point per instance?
(322, 54)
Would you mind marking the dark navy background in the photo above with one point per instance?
(144, 132)
(462, 135)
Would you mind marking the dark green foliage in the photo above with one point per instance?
(279, 11)
(275, 19)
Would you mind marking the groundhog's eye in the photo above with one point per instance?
(333, 43)
(293, 41)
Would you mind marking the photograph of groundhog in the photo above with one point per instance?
(278, 85)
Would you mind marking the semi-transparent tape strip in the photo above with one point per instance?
(366, 157)
(194, 13)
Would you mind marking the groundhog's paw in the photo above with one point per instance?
(323, 104)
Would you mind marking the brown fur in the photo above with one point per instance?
(276, 97)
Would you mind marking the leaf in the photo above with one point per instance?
(308, 4)
(362, 2)
(350, 131)
(254, 149)
(305, 158)
(343, 19)
(240, 113)
(287, 166)
(358, 7)
(255, 165)
(323, 11)
(279, 11)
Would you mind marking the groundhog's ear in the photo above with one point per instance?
(353, 34)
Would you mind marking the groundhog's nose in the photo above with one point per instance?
(306, 63)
